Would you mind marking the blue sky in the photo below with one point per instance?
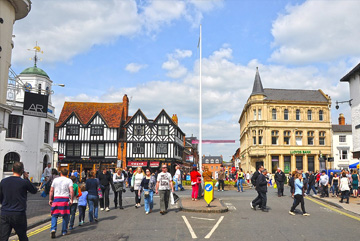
(102, 50)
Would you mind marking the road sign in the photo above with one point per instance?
(209, 192)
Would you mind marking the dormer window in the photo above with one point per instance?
(72, 130)
(97, 130)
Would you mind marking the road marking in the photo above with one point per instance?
(209, 219)
(333, 209)
(193, 235)
(230, 206)
(214, 228)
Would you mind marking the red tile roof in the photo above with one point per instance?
(112, 113)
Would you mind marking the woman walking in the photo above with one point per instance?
(194, 175)
(135, 183)
(335, 185)
(355, 183)
(298, 195)
(344, 188)
(92, 186)
(118, 180)
(148, 185)
(240, 180)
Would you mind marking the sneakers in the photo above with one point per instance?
(52, 234)
(96, 220)
(81, 223)
(222, 190)
(107, 209)
(252, 206)
(218, 190)
(291, 213)
(306, 214)
(147, 213)
(71, 228)
(101, 209)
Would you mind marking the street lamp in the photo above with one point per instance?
(342, 102)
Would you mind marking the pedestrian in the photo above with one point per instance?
(323, 182)
(178, 179)
(92, 187)
(105, 180)
(60, 192)
(355, 183)
(47, 171)
(280, 180)
(207, 175)
(292, 183)
(221, 178)
(164, 185)
(148, 185)
(240, 180)
(74, 205)
(248, 177)
(130, 174)
(137, 178)
(13, 197)
(194, 176)
(83, 176)
(82, 204)
(311, 184)
(298, 195)
(335, 185)
(76, 174)
(118, 180)
(261, 188)
(344, 188)
(253, 182)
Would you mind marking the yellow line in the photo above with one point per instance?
(334, 209)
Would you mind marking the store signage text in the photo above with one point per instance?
(300, 152)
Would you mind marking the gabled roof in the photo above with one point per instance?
(167, 116)
(138, 112)
(341, 128)
(295, 95)
(257, 87)
(350, 74)
(85, 111)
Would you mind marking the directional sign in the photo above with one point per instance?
(208, 192)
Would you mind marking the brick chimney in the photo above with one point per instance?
(341, 119)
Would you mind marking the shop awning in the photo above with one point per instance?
(137, 164)
(154, 164)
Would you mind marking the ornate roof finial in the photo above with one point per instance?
(257, 87)
(36, 49)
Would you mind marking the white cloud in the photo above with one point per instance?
(175, 69)
(317, 30)
(67, 28)
(134, 67)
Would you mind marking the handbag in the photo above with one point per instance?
(176, 197)
(118, 186)
(100, 193)
(131, 189)
(216, 184)
(146, 194)
(172, 202)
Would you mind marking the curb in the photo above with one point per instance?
(207, 210)
(43, 219)
(326, 201)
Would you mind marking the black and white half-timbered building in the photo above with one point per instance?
(151, 143)
(91, 135)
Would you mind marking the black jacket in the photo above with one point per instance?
(280, 176)
(254, 178)
(105, 179)
(311, 180)
(261, 183)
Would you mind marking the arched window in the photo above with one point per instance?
(9, 160)
(45, 161)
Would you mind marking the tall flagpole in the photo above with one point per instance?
(200, 112)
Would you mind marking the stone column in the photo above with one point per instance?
(281, 162)
(293, 163)
(316, 163)
(305, 163)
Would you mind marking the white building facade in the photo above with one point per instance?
(27, 139)
(353, 78)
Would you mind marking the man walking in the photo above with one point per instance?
(311, 184)
(261, 187)
(13, 197)
(163, 186)
(60, 192)
(280, 180)
(221, 178)
(47, 171)
(324, 181)
(253, 182)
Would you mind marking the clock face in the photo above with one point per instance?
(27, 87)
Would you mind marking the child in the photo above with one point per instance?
(82, 205)
(74, 205)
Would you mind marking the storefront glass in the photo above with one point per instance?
(275, 163)
(311, 164)
(287, 164)
(299, 162)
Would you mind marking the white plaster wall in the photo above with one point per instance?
(335, 149)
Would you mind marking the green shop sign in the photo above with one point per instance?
(300, 152)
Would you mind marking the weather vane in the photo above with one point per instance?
(36, 49)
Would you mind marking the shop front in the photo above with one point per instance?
(152, 164)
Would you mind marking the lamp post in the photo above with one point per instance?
(342, 102)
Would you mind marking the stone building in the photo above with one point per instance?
(285, 128)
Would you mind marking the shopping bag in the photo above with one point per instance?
(172, 202)
(275, 186)
(216, 184)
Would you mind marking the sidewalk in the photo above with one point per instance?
(200, 206)
(353, 206)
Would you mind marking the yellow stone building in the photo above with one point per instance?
(285, 128)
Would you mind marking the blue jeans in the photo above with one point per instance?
(240, 184)
(176, 184)
(311, 187)
(65, 222)
(93, 201)
(149, 200)
(335, 189)
(73, 208)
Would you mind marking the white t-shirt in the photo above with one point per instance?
(62, 186)
(177, 174)
(164, 180)
(138, 178)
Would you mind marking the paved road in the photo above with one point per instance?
(240, 222)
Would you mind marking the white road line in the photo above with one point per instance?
(209, 219)
(214, 228)
(193, 235)
(230, 206)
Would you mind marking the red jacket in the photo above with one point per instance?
(194, 175)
